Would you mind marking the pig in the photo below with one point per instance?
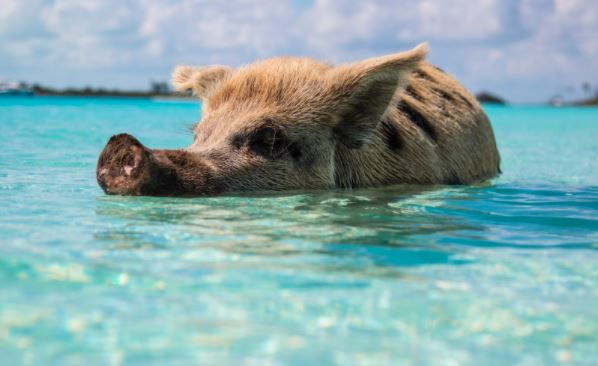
(294, 123)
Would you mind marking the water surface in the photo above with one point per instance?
(493, 274)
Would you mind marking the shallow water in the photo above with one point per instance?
(494, 274)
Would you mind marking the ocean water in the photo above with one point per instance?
(501, 273)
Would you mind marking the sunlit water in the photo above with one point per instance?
(504, 273)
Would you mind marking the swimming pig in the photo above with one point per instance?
(294, 123)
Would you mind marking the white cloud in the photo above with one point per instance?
(562, 40)
(461, 20)
(203, 27)
(488, 43)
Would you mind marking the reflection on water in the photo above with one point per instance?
(338, 223)
(407, 217)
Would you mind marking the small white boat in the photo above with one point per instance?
(14, 89)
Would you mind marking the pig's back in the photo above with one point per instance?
(433, 132)
(450, 127)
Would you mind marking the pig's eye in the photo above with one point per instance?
(268, 141)
(271, 142)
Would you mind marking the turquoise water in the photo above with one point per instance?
(502, 273)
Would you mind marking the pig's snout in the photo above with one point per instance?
(124, 166)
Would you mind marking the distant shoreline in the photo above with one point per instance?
(173, 97)
(162, 93)
(156, 90)
(112, 94)
(123, 95)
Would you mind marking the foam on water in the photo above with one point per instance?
(493, 274)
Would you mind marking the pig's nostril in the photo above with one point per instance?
(128, 169)
(102, 173)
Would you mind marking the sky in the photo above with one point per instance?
(524, 50)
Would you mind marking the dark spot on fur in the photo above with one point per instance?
(421, 74)
(392, 137)
(465, 100)
(448, 98)
(410, 90)
(445, 95)
(414, 116)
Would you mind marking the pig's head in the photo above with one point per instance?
(277, 124)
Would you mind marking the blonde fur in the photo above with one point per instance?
(305, 96)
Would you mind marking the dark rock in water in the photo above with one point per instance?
(486, 97)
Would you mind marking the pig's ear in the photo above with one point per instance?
(201, 81)
(363, 91)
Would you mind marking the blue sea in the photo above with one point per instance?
(499, 273)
